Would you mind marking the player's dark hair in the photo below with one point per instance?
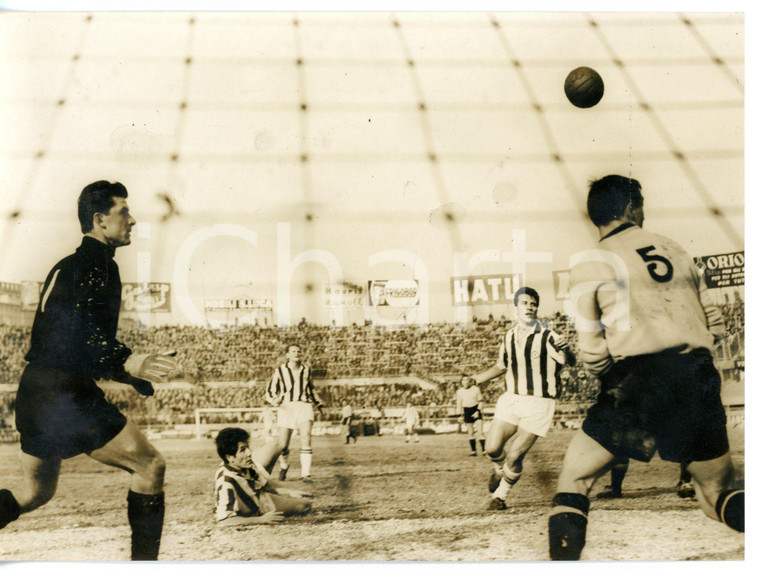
(527, 291)
(97, 198)
(608, 198)
(291, 345)
(228, 439)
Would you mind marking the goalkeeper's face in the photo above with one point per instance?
(242, 458)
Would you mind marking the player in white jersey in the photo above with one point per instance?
(645, 329)
(411, 419)
(469, 400)
(291, 389)
(530, 357)
(347, 420)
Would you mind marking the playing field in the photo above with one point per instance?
(379, 500)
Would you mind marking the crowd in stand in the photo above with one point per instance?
(229, 368)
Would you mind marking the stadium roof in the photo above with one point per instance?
(374, 145)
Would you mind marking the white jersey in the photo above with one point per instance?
(468, 397)
(641, 295)
(411, 416)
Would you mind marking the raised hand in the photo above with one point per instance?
(152, 367)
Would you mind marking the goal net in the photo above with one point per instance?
(259, 422)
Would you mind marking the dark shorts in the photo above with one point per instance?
(668, 402)
(62, 414)
(471, 415)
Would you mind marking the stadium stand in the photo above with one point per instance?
(221, 368)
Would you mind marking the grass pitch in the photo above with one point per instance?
(378, 500)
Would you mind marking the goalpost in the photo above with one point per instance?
(260, 418)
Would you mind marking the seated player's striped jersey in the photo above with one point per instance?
(292, 385)
(639, 293)
(532, 366)
(237, 491)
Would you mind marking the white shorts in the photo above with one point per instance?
(292, 414)
(530, 413)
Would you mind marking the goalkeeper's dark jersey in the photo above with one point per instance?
(75, 326)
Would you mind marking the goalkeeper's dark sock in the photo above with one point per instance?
(9, 508)
(567, 526)
(483, 445)
(472, 444)
(146, 519)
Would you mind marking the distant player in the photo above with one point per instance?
(411, 420)
(60, 410)
(469, 400)
(291, 389)
(645, 328)
(347, 420)
(619, 468)
(530, 358)
(243, 490)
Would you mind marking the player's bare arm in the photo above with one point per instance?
(493, 372)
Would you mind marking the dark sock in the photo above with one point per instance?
(730, 509)
(483, 445)
(9, 508)
(146, 518)
(567, 526)
(617, 475)
(685, 476)
(472, 444)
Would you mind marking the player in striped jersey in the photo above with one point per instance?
(469, 399)
(292, 391)
(645, 328)
(243, 490)
(530, 358)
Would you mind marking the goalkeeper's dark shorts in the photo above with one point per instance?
(59, 414)
(472, 414)
(667, 402)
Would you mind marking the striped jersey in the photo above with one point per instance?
(237, 491)
(531, 361)
(639, 293)
(292, 385)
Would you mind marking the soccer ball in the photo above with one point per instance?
(584, 87)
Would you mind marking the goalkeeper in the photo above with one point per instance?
(60, 411)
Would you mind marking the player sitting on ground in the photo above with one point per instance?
(244, 491)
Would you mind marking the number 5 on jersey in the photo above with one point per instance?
(653, 260)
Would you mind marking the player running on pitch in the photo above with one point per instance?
(292, 390)
(530, 357)
(60, 411)
(244, 491)
(469, 400)
(645, 329)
